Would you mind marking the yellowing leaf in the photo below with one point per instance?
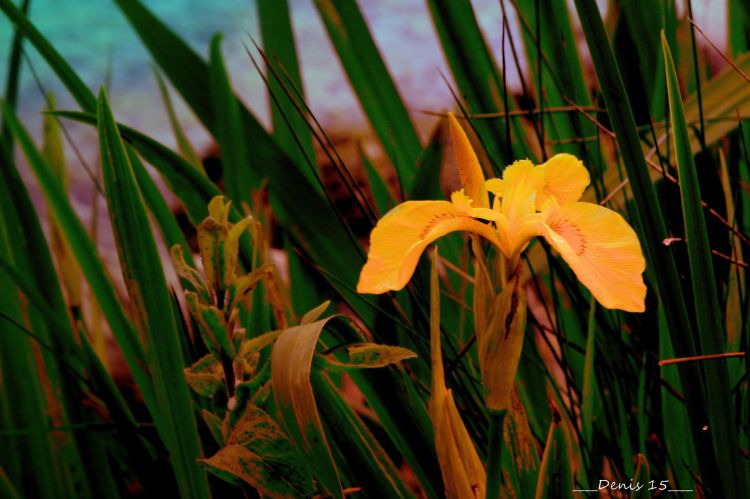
(500, 341)
(205, 376)
(315, 313)
(291, 366)
(462, 470)
(370, 355)
(191, 278)
(260, 454)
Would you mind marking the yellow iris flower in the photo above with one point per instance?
(530, 200)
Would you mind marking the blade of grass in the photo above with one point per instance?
(710, 330)
(590, 392)
(383, 199)
(90, 262)
(562, 73)
(36, 469)
(370, 466)
(189, 185)
(168, 226)
(373, 85)
(238, 180)
(476, 75)
(554, 471)
(650, 218)
(278, 43)
(14, 74)
(183, 143)
(291, 193)
(144, 278)
(427, 179)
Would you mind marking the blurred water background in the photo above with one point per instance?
(97, 41)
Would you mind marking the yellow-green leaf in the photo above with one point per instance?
(205, 376)
(291, 366)
(314, 314)
(369, 355)
(259, 453)
(462, 470)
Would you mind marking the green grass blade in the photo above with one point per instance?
(555, 469)
(427, 179)
(738, 20)
(144, 277)
(562, 73)
(373, 84)
(334, 249)
(183, 143)
(295, 138)
(708, 314)
(650, 217)
(676, 423)
(368, 464)
(7, 489)
(165, 220)
(29, 451)
(75, 85)
(238, 180)
(14, 75)
(476, 75)
(383, 199)
(194, 189)
(90, 263)
(590, 394)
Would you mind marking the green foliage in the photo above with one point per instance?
(229, 388)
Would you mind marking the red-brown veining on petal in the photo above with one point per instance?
(571, 233)
(434, 220)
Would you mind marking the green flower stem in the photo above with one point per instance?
(495, 453)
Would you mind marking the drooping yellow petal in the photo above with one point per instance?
(565, 179)
(469, 170)
(603, 251)
(401, 236)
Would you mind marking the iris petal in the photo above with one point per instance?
(603, 251)
(469, 170)
(565, 179)
(401, 236)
